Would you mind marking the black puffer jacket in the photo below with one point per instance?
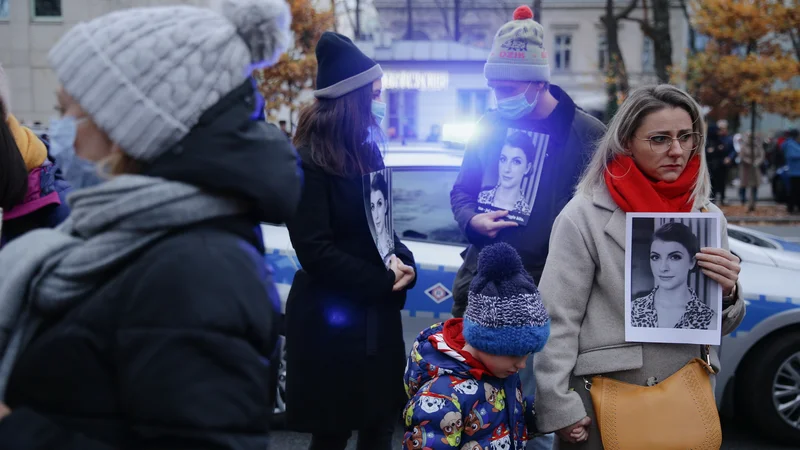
(174, 351)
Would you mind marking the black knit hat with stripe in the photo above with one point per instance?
(342, 67)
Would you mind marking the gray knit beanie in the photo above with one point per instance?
(146, 75)
(518, 52)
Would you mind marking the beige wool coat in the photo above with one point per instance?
(583, 289)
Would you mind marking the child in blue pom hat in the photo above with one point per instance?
(462, 375)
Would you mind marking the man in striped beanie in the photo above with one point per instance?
(496, 202)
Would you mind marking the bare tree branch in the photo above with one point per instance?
(349, 14)
(627, 11)
(443, 7)
(647, 29)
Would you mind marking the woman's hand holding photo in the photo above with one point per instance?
(403, 274)
(721, 266)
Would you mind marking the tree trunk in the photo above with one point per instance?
(291, 98)
(358, 19)
(617, 73)
(662, 42)
(347, 13)
(335, 17)
(753, 111)
(537, 10)
(692, 31)
(751, 48)
(794, 35)
(409, 21)
(457, 20)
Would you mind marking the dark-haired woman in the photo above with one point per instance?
(672, 303)
(345, 349)
(514, 165)
(31, 196)
(379, 209)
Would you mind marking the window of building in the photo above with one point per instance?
(562, 51)
(472, 103)
(46, 9)
(602, 51)
(4, 9)
(421, 205)
(648, 59)
(402, 114)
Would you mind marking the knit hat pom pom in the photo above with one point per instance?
(499, 262)
(263, 25)
(523, 12)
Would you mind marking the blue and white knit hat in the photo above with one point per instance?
(505, 314)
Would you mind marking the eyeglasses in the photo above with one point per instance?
(661, 143)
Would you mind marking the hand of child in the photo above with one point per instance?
(577, 432)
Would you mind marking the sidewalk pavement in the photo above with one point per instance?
(767, 210)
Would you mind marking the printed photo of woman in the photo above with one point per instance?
(673, 303)
(378, 204)
(514, 166)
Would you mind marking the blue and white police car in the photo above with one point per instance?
(761, 360)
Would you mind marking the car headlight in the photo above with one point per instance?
(457, 132)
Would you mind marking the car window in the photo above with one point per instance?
(421, 205)
(748, 238)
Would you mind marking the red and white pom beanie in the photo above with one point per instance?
(518, 51)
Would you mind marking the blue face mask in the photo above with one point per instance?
(78, 172)
(378, 111)
(516, 107)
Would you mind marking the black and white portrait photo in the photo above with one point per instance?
(512, 183)
(377, 201)
(668, 298)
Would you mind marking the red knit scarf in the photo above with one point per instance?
(633, 191)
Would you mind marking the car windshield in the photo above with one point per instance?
(421, 200)
(748, 238)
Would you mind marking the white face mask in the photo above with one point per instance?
(378, 110)
(78, 172)
(516, 107)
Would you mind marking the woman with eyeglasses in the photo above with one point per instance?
(652, 159)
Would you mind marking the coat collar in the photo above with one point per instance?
(615, 228)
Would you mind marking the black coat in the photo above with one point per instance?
(344, 338)
(172, 351)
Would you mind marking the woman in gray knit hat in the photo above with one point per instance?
(147, 319)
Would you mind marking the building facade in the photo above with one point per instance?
(29, 28)
(574, 38)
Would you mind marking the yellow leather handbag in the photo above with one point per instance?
(678, 413)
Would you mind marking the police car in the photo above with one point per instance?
(761, 360)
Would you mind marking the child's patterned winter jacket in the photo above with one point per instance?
(455, 402)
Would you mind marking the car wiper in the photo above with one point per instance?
(412, 234)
